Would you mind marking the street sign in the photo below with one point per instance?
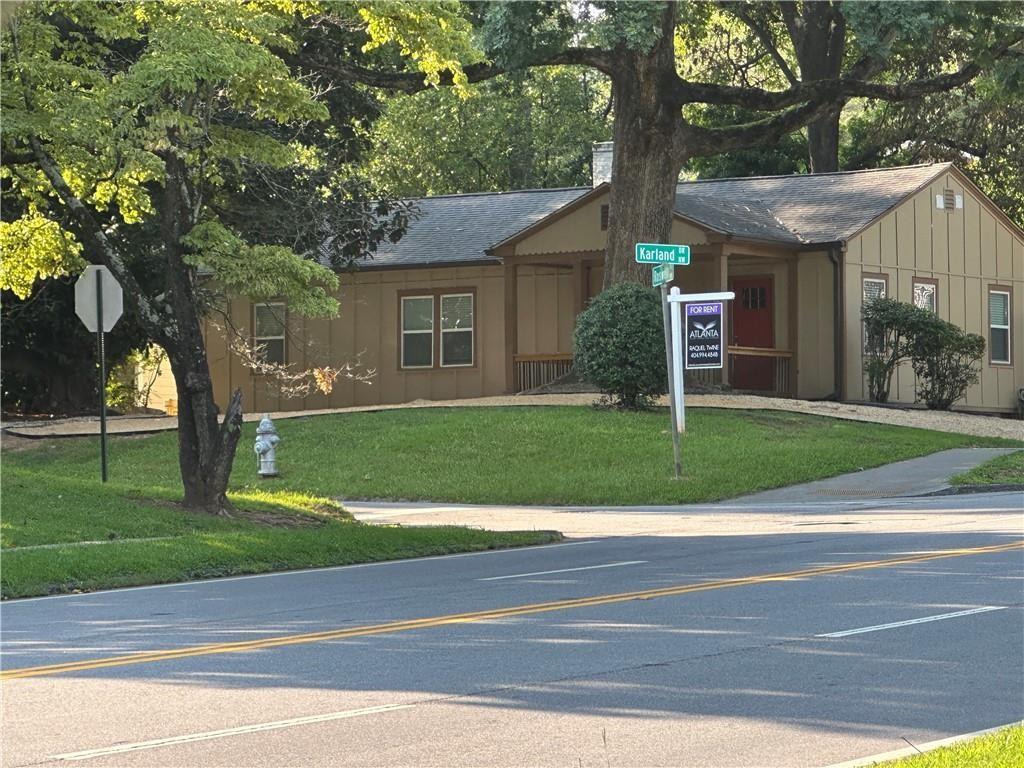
(662, 253)
(663, 273)
(704, 335)
(99, 302)
(88, 298)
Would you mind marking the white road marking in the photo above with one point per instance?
(206, 735)
(564, 570)
(8, 604)
(909, 622)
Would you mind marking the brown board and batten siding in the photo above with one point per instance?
(366, 333)
(964, 252)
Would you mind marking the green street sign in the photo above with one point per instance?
(661, 253)
(663, 273)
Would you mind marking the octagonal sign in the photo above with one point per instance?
(87, 299)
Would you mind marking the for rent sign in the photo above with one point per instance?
(704, 335)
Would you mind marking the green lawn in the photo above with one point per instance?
(549, 455)
(1002, 749)
(1002, 470)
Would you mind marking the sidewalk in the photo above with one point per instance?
(960, 423)
(859, 501)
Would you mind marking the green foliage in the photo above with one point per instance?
(889, 329)
(619, 345)
(35, 248)
(129, 383)
(942, 355)
(434, 35)
(262, 271)
(522, 132)
(945, 360)
(202, 83)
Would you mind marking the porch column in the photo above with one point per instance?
(722, 262)
(511, 326)
(580, 286)
(794, 318)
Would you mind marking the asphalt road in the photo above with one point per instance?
(659, 650)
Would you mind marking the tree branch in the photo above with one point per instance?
(413, 82)
(156, 326)
(764, 35)
(834, 89)
(699, 141)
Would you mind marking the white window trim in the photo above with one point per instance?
(934, 309)
(429, 332)
(1009, 333)
(471, 329)
(258, 340)
(885, 293)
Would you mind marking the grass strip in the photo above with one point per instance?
(1002, 470)
(1001, 749)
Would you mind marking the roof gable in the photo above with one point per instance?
(817, 208)
(459, 229)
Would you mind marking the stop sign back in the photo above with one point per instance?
(87, 303)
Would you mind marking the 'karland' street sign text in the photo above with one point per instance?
(662, 253)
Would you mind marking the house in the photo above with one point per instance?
(481, 294)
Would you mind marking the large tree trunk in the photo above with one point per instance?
(818, 34)
(823, 143)
(206, 448)
(646, 164)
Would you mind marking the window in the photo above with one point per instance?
(457, 329)
(437, 330)
(874, 288)
(999, 325)
(926, 294)
(418, 332)
(269, 325)
(754, 298)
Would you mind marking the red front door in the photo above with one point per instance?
(752, 326)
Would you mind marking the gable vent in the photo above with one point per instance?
(949, 200)
(604, 218)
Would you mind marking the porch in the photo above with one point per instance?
(544, 293)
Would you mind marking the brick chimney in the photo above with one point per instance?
(602, 162)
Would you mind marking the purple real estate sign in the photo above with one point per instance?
(704, 335)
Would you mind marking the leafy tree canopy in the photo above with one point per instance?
(522, 132)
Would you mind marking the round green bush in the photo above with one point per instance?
(619, 345)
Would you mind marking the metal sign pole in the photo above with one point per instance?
(671, 384)
(677, 363)
(103, 376)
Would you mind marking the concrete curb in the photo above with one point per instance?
(896, 754)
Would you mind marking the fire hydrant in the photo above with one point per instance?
(266, 453)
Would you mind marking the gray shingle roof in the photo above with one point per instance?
(796, 210)
(748, 218)
(453, 229)
(819, 208)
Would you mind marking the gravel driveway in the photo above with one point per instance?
(961, 423)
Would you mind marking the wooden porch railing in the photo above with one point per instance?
(534, 371)
(776, 365)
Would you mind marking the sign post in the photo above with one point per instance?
(664, 257)
(99, 302)
(705, 326)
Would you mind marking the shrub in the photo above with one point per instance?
(945, 360)
(619, 345)
(889, 328)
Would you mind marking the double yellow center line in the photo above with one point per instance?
(479, 616)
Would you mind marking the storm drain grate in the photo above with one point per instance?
(875, 494)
